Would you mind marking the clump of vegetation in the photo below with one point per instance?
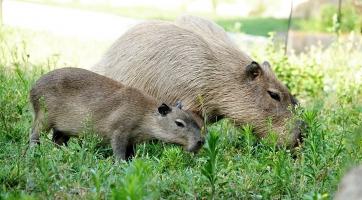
(328, 20)
(350, 19)
(303, 79)
(210, 168)
(137, 183)
(327, 81)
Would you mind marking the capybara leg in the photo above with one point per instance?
(130, 151)
(39, 125)
(60, 137)
(119, 145)
(34, 136)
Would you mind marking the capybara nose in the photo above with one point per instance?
(201, 142)
(300, 132)
(197, 145)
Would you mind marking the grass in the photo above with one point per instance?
(210, 168)
(246, 168)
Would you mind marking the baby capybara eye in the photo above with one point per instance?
(180, 123)
(274, 95)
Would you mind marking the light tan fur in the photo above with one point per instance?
(351, 185)
(63, 99)
(193, 57)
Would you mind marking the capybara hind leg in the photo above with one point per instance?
(119, 146)
(60, 137)
(39, 125)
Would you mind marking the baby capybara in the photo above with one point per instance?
(64, 98)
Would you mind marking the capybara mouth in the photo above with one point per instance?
(196, 147)
(299, 132)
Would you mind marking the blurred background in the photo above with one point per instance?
(78, 31)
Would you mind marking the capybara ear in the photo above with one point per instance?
(266, 64)
(253, 70)
(164, 109)
(179, 104)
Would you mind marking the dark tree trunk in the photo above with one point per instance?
(339, 11)
(339, 17)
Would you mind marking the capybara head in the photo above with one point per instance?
(180, 127)
(264, 102)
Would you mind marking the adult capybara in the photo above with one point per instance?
(193, 58)
(63, 99)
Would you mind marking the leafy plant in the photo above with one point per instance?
(136, 184)
(210, 168)
(349, 19)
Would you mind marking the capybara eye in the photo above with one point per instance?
(274, 95)
(180, 123)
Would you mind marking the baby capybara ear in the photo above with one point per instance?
(164, 109)
(253, 70)
(266, 64)
(179, 104)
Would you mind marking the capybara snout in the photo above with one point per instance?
(196, 144)
(299, 133)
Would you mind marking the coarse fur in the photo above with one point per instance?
(65, 98)
(192, 59)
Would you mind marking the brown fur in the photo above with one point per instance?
(194, 57)
(122, 115)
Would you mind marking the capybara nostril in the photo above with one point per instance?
(201, 142)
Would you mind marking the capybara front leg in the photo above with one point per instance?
(34, 136)
(38, 126)
(119, 145)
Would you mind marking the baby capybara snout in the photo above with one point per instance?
(195, 143)
(299, 132)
